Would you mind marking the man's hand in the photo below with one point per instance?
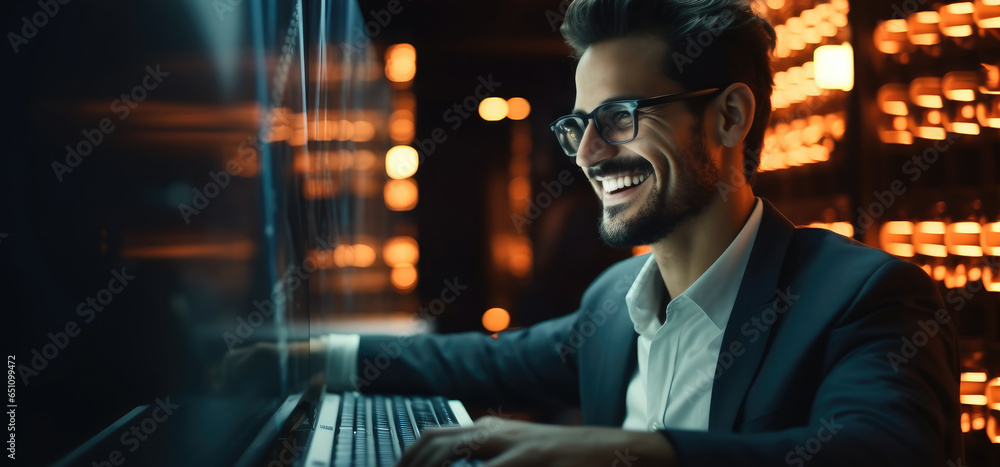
(506, 443)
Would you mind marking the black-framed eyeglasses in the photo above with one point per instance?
(617, 121)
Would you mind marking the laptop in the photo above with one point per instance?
(358, 430)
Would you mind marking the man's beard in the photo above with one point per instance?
(657, 217)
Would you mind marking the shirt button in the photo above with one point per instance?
(655, 426)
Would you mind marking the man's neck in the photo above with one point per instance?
(692, 248)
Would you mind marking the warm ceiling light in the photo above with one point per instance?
(926, 92)
(343, 256)
(926, 124)
(400, 63)
(895, 130)
(899, 123)
(993, 397)
(962, 239)
(364, 160)
(795, 25)
(989, 283)
(518, 108)
(990, 75)
(923, 28)
(956, 19)
(892, 99)
(496, 319)
(974, 274)
(401, 126)
(403, 277)
(519, 188)
(781, 48)
(493, 109)
(364, 255)
(961, 119)
(960, 85)
(928, 239)
(324, 130)
(987, 14)
(896, 238)
(972, 399)
(796, 42)
(988, 113)
(810, 17)
(400, 195)
(347, 130)
(974, 377)
(828, 29)
(363, 132)
(990, 239)
(812, 35)
(890, 36)
(834, 67)
(401, 162)
(400, 250)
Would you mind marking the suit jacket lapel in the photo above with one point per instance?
(616, 363)
(757, 292)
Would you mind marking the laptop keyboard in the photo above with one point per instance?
(373, 431)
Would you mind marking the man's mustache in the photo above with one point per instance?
(618, 166)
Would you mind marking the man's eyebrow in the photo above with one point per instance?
(629, 97)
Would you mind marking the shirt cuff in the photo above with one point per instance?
(341, 361)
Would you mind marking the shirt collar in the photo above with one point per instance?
(714, 292)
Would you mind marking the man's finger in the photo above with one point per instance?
(429, 442)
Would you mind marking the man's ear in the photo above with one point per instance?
(735, 107)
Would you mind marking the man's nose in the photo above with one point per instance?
(593, 149)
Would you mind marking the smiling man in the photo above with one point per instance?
(741, 340)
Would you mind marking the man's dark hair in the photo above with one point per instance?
(713, 43)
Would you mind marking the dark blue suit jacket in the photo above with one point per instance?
(835, 354)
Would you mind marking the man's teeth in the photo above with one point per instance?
(615, 184)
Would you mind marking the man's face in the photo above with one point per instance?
(677, 177)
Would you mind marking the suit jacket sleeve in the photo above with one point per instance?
(525, 367)
(889, 393)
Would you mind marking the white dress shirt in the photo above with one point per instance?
(672, 384)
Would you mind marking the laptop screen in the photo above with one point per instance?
(177, 189)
